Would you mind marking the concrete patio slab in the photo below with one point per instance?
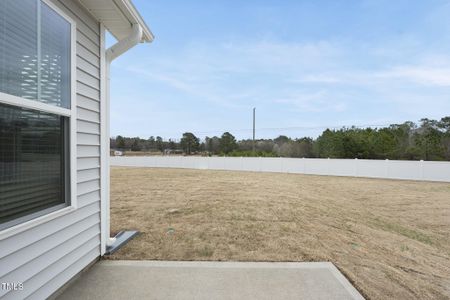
(210, 280)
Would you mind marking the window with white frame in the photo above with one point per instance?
(36, 110)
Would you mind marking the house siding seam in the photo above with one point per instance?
(45, 257)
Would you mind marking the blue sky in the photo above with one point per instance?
(303, 64)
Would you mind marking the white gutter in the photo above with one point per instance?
(125, 44)
(112, 53)
(147, 35)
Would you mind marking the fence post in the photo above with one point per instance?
(422, 171)
(356, 167)
(387, 168)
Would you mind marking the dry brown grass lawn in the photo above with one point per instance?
(390, 238)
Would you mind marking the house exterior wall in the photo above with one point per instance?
(46, 256)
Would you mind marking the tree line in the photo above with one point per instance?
(427, 140)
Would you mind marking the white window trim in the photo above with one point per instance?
(71, 114)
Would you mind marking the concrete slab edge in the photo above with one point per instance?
(345, 283)
(243, 265)
(219, 264)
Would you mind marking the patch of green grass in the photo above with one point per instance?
(205, 251)
(404, 248)
(399, 229)
(355, 246)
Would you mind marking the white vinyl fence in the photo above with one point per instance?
(393, 169)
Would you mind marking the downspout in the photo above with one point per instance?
(112, 53)
(125, 44)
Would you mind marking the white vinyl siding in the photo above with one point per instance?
(46, 256)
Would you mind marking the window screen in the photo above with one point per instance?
(32, 168)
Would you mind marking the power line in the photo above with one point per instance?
(268, 129)
(293, 128)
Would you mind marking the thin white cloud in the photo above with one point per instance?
(190, 87)
(237, 74)
(319, 101)
(320, 78)
(303, 77)
(422, 75)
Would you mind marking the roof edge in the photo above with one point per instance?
(126, 14)
(147, 35)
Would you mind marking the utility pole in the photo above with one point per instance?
(254, 145)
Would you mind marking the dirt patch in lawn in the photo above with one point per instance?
(391, 238)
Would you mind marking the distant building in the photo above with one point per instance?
(172, 152)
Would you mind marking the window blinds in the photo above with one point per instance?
(18, 48)
(34, 52)
(31, 156)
